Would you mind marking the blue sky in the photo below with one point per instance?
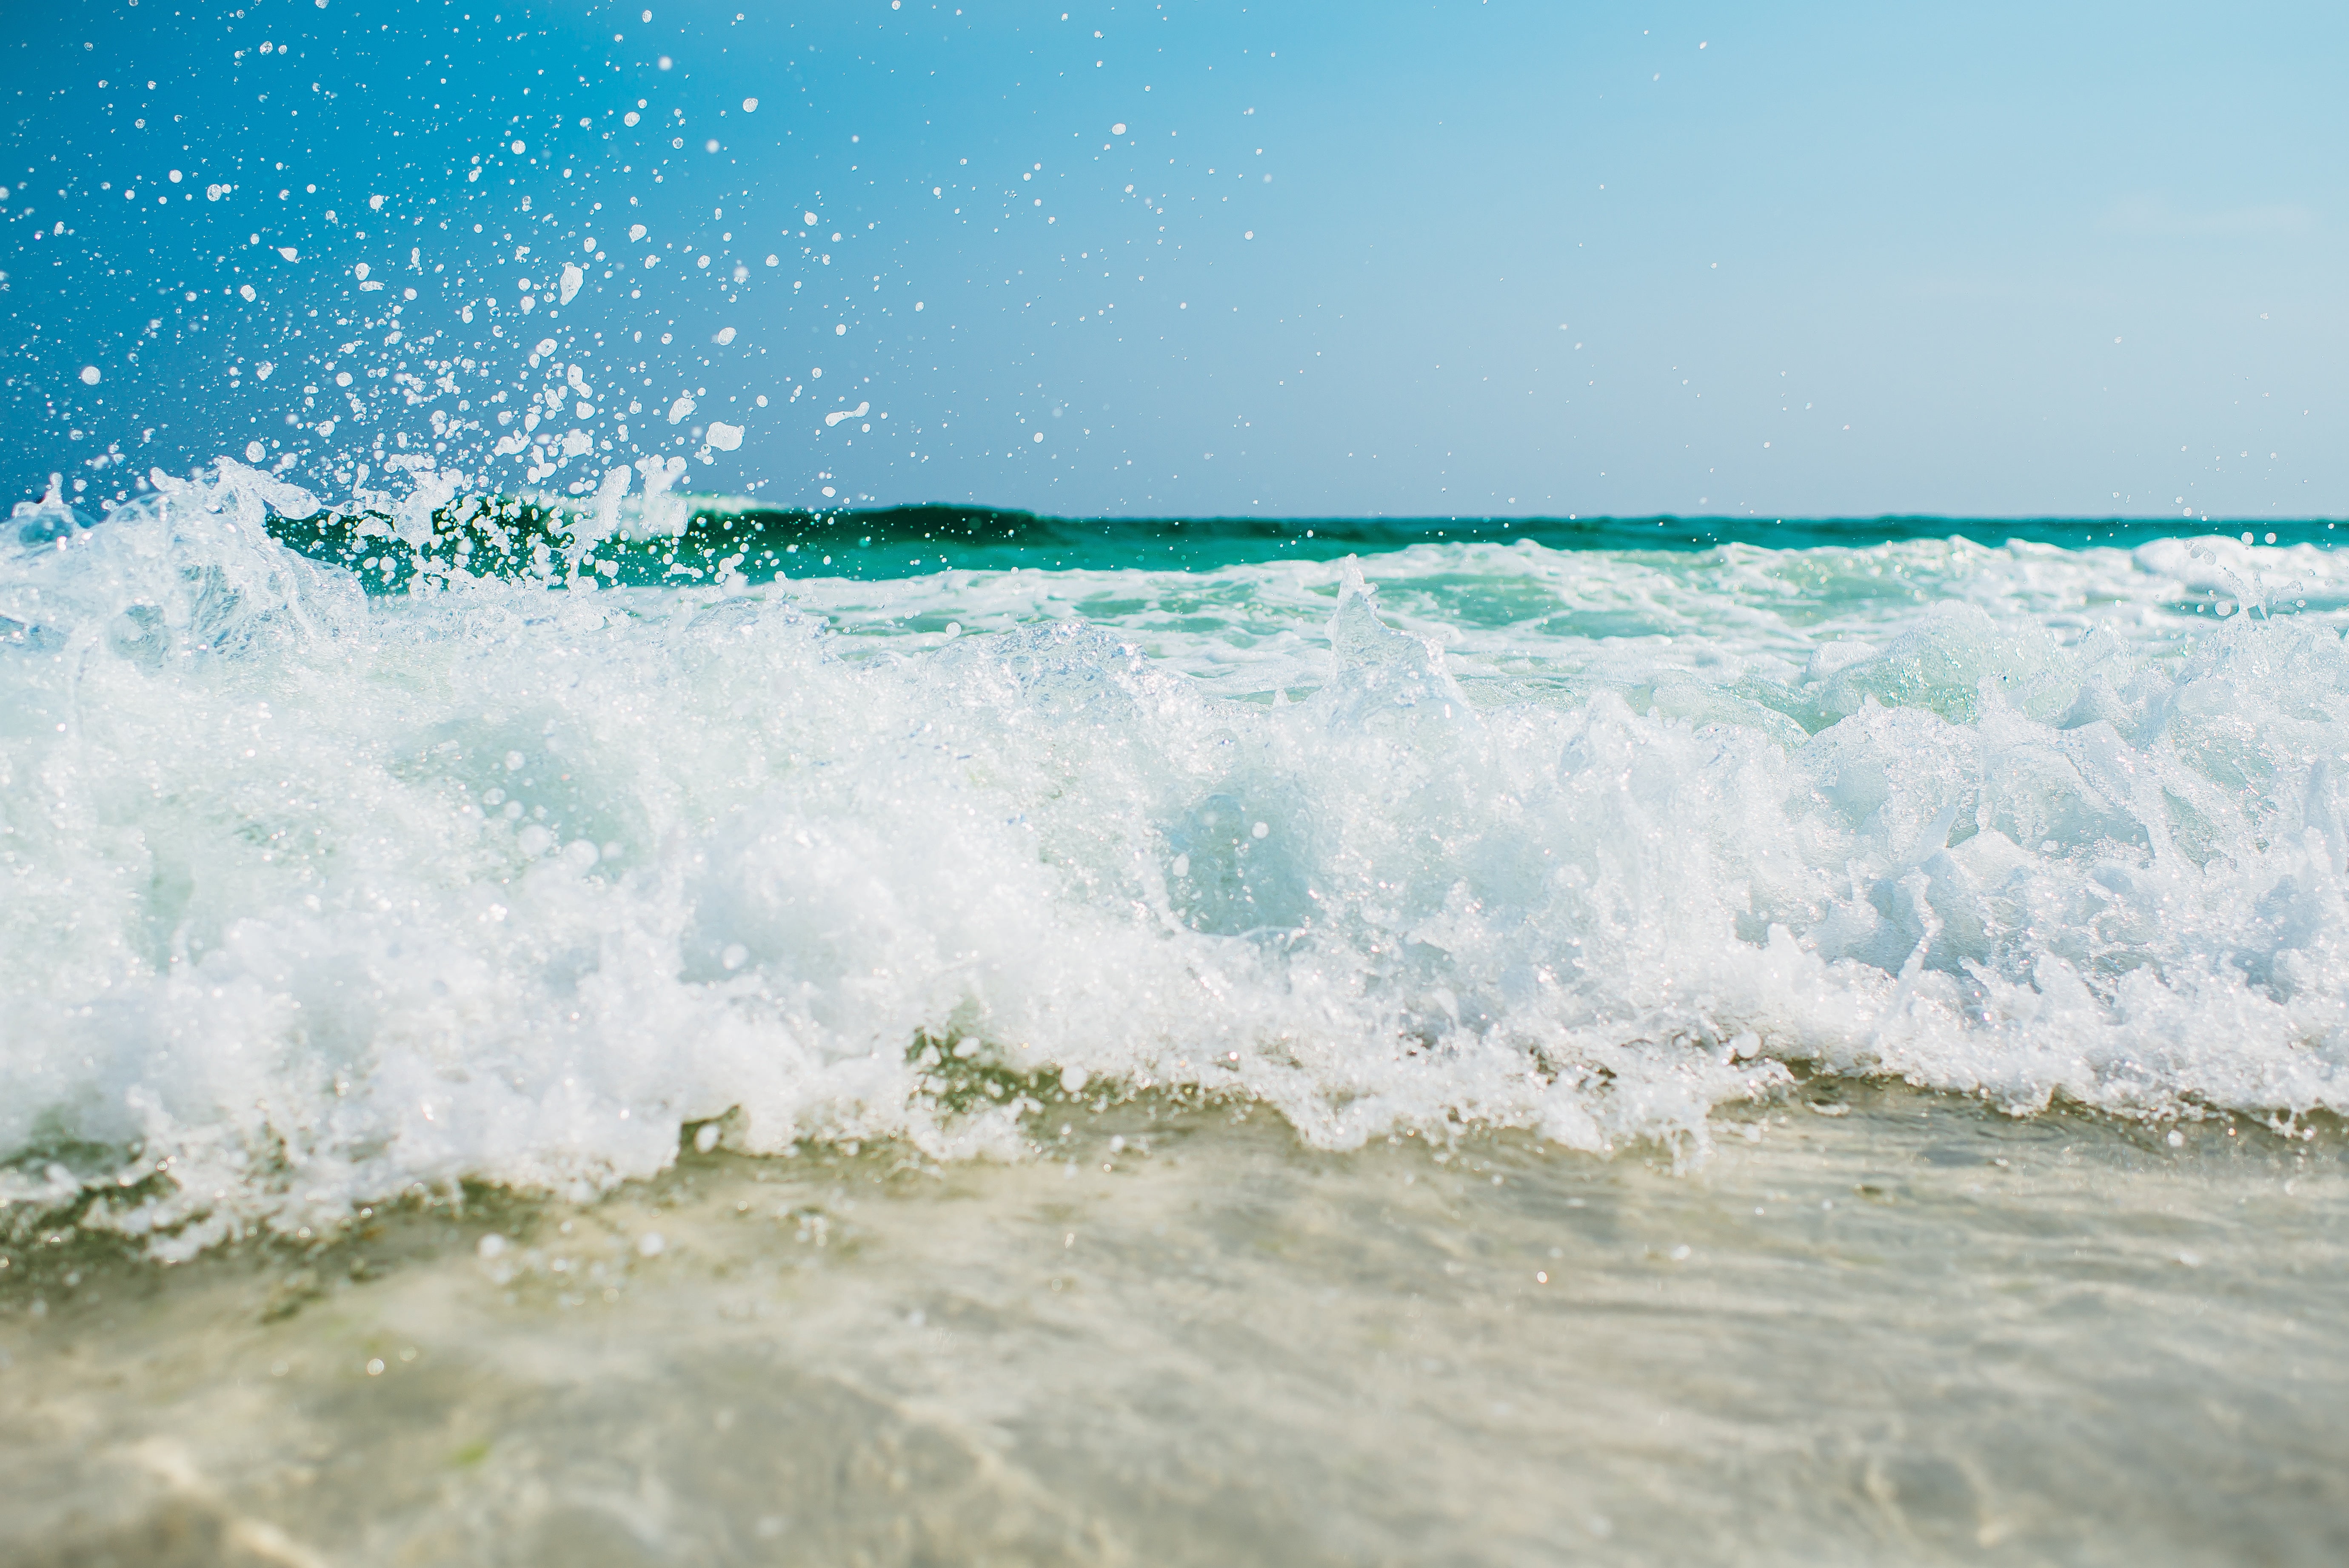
(1447, 257)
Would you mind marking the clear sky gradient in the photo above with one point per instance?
(1448, 257)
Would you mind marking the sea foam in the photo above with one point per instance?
(316, 900)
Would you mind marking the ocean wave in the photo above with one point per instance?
(318, 898)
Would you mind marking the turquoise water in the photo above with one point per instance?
(700, 539)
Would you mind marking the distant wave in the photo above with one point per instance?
(683, 539)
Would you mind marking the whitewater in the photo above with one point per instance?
(321, 895)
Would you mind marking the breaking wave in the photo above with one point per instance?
(319, 895)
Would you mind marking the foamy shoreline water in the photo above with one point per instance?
(319, 900)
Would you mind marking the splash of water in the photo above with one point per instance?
(318, 898)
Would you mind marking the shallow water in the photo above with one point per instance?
(1878, 1326)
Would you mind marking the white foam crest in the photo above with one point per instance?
(512, 885)
(190, 571)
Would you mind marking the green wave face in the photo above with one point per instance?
(723, 539)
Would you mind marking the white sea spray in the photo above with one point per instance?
(315, 900)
